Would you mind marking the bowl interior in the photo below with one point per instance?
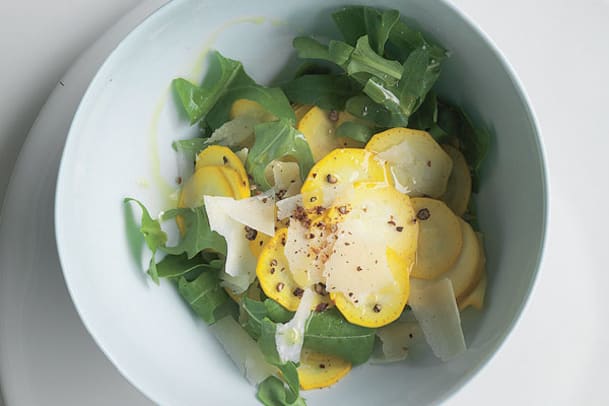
(120, 145)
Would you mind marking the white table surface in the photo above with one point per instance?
(558, 353)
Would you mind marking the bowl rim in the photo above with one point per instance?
(520, 90)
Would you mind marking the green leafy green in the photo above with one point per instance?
(190, 147)
(426, 115)
(309, 48)
(268, 346)
(174, 266)
(329, 92)
(378, 27)
(277, 312)
(273, 392)
(329, 333)
(421, 70)
(271, 98)
(204, 295)
(352, 23)
(198, 236)
(365, 60)
(364, 107)
(225, 82)
(198, 101)
(276, 140)
(154, 236)
(473, 141)
(356, 131)
(255, 311)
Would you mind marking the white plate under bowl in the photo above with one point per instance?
(119, 146)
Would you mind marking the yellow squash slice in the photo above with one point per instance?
(275, 278)
(440, 238)
(420, 166)
(384, 306)
(210, 181)
(217, 155)
(300, 110)
(374, 245)
(476, 297)
(466, 271)
(459, 186)
(319, 130)
(244, 107)
(339, 170)
(318, 370)
(257, 243)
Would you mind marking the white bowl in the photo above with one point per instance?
(119, 145)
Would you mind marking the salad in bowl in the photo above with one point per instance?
(326, 221)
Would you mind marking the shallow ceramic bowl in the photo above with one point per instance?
(120, 145)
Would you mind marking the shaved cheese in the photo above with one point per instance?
(236, 132)
(238, 283)
(287, 178)
(242, 155)
(243, 350)
(287, 206)
(435, 308)
(418, 162)
(240, 262)
(396, 339)
(289, 337)
(256, 212)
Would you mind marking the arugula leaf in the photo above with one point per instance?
(378, 27)
(329, 333)
(204, 295)
(198, 101)
(474, 141)
(365, 60)
(356, 131)
(385, 97)
(154, 236)
(337, 52)
(277, 312)
(191, 147)
(174, 266)
(312, 68)
(198, 235)
(426, 115)
(276, 140)
(271, 98)
(256, 311)
(253, 312)
(329, 92)
(364, 107)
(273, 392)
(421, 71)
(351, 23)
(268, 346)
(225, 82)
(402, 40)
